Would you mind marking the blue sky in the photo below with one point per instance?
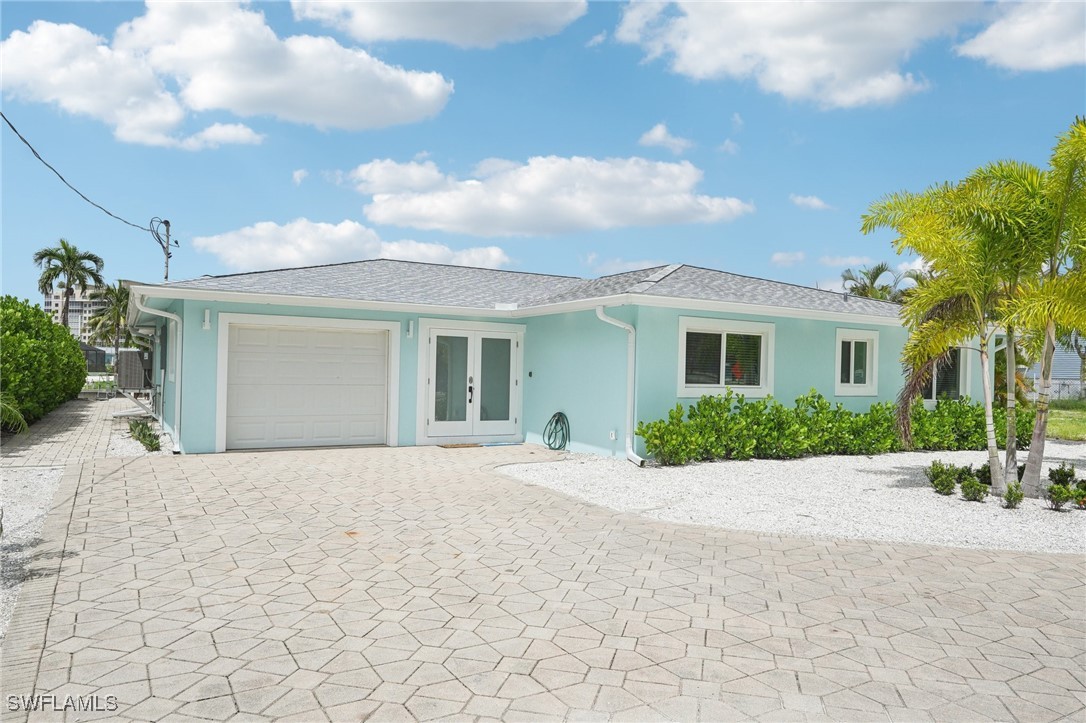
(565, 138)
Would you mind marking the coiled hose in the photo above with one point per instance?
(556, 433)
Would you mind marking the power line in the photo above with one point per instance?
(65, 180)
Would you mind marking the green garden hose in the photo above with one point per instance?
(556, 433)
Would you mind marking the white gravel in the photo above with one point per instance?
(885, 497)
(26, 495)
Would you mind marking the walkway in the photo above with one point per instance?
(391, 584)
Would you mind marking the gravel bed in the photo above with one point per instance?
(884, 497)
(121, 443)
(26, 496)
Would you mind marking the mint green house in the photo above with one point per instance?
(397, 353)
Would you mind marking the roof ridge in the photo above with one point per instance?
(648, 282)
(790, 283)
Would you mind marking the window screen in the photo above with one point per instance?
(859, 362)
(743, 360)
(702, 358)
(846, 362)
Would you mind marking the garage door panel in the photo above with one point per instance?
(305, 387)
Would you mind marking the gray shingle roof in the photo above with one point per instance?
(407, 282)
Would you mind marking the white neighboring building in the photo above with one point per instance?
(1067, 380)
(80, 309)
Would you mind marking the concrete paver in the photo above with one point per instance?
(420, 583)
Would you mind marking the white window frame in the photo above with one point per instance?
(727, 326)
(871, 388)
(965, 377)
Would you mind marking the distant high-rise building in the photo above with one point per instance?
(80, 309)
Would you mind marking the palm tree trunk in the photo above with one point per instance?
(1011, 466)
(995, 468)
(1031, 480)
(64, 301)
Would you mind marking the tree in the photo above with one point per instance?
(957, 302)
(866, 282)
(1055, 297)
(109, 325)
(66, 266)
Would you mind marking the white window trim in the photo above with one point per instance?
(965, 377)
(871, 388)
(726, 326)
(225, 320)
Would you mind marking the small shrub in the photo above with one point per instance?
(1058, 496)
(943, 477)
(973, 490)
(142, 432)
(1080, 498)
(1013, 496)
(1062, 475)
(670, 441)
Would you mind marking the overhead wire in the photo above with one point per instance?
(65, 180)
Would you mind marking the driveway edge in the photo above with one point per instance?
(24, 644)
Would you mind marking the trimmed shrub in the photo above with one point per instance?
(943, 477)
(671, 441)
(1013, 496)
(1058, 496)
(1080, 498)
(1062, 475)
(972, 489)
(41, 365)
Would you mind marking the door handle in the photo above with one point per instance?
(471, 393)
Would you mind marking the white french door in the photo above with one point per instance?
(472, 384)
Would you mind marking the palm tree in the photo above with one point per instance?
(110, 324)
(1056, 296)
(866, 282)
(68, 267)
(957, 303)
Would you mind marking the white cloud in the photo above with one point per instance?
(1033, 36)
(737, 122)
(268, 245)
(845, 260)
(729, 146)
(466, 25)
(597, 39)
(551, 194)
(787, 258)
(181, 58)
(658, 135)
(813, 203)
(298, 176)
(219, 134)
(917, 264)
(838, 55)
(388, 176)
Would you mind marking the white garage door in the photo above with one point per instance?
(302, 387)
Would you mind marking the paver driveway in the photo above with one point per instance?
(421, 583)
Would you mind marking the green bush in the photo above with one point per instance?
(972, 488)
(1062, 475)
(1058, 496)
(1080, 498)
(143, 433)
(728, 426)
(41, 365)
(1013, 496)
(943, 477)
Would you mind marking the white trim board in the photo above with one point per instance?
(221, 371)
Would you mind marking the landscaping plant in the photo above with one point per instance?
(1058, 496)
(943, 477)
(1062, 475)
(972, 489)
(142, 432)
(1013, 496)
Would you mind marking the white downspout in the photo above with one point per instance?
(631, 347)
(170, 316)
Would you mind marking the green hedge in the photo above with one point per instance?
(41, 365)
(730, 427)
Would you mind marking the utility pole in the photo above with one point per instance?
(164, 243)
